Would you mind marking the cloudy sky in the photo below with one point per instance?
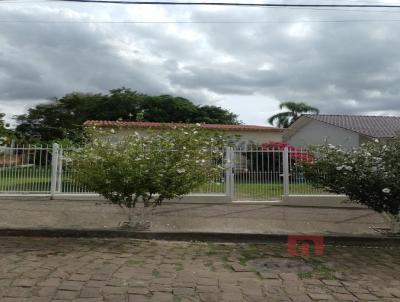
(345, 66)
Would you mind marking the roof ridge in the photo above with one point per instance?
(368, 125)
(350, 115)
(175, 123)
(232, 127)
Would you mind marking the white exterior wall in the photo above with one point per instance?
(317, 133)
(257, 137)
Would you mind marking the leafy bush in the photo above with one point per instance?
(369, 175)
(148, 169)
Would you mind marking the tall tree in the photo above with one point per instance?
(6, 135)
(60, 119)
(214, 115)
(294, 111)
(2, 122)
(63, 118)
(166, 108)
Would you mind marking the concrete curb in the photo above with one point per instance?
(331, 239)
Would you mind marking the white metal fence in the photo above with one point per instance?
(25, 169)
(251, 173)
(267, 174)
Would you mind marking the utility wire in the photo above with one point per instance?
(315, 7)
(18, 2)
(241, 4)
(200, 22)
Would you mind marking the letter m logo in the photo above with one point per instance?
(305, 243)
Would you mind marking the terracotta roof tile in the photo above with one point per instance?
(152, 125)
(373, 126)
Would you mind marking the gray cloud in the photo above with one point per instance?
(338, 67)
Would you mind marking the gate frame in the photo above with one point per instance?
(55, 159)
(285, 169)
(229, 174)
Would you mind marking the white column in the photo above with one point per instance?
(54, 169)
(229, 177)
(286, 171)
(59, 170)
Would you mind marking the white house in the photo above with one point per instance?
(348, 131)
(247, 134)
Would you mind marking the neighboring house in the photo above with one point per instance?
(348, 131)
(247, 134)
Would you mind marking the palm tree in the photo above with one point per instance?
(295, 110)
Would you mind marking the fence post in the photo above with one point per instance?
(59, 170)
(54, 170)
(229, 177)
(286, 171)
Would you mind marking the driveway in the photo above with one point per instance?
(125, 270)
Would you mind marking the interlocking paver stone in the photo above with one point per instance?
(18, 292)
(137, 298)
(66, 295)
(269, 275)
(229, 288)
(24, 282)
(50, 282)
(345, 297)
(230, 297)
(332, 282)
(138, 290)
(47, 291)
(161, 297)
(90, 292)
(95, 283)
(137, 271)
(5, 282)
(209, 297)
(368, 297)
(320, 296)
(71, 285)
(395, 292)
(160, 288)
(114, 290)
(183, 291)
(114, 298)
(207, 289)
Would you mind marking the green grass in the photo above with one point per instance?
(156, 273)
(248, 252)
(320, 270)
(38, 178)
(178, 267)
(33, 179)
(134, 262)
(270, 191)
(260, 191)
(28, 179)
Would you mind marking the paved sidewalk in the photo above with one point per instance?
(43, 270)
(231, 218)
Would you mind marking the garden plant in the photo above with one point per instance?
(138, 172)
(368, 175)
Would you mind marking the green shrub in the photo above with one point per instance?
(149, 168)
(369, 175)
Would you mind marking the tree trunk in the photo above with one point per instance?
(138, 217)
(395, 223)
(146, 215)
(130, 215)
